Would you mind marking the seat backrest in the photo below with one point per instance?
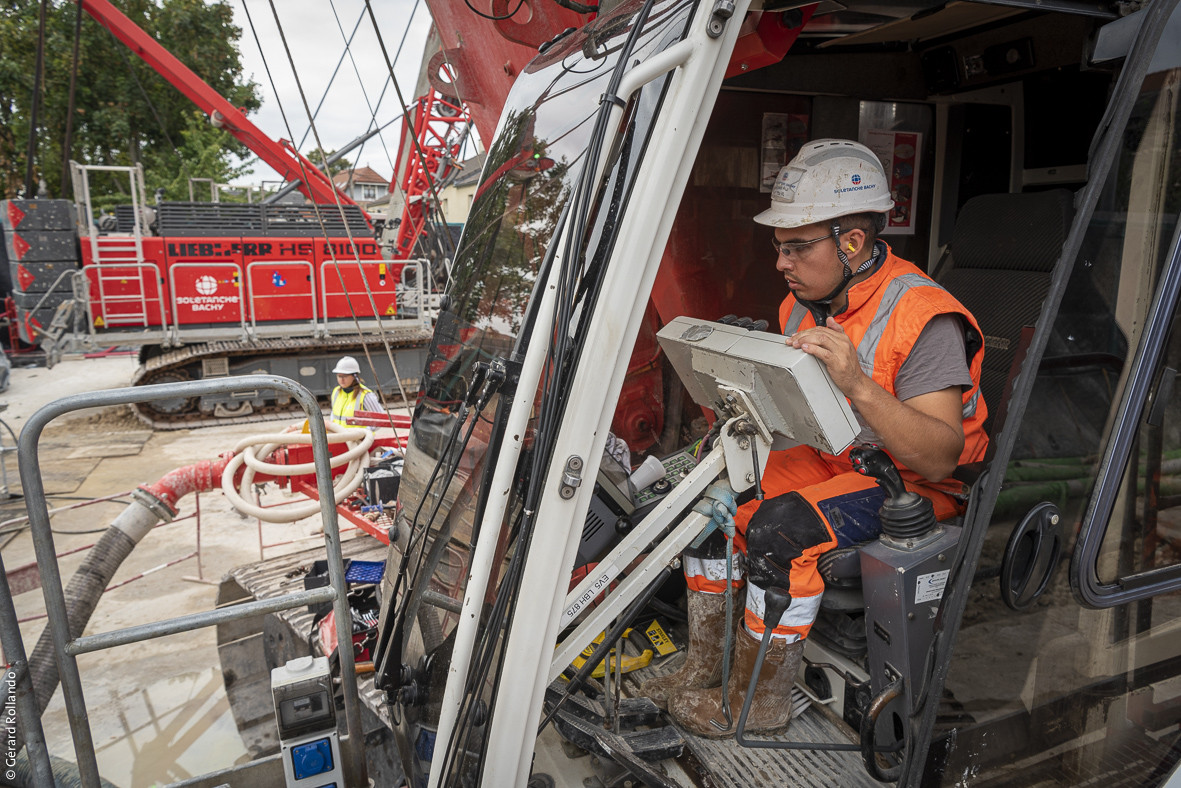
(1001, 256)
(1000, 261)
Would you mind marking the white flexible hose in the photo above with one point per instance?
(249, 451)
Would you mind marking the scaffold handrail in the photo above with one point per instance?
(66, 648)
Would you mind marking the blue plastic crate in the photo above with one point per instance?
(365, 572)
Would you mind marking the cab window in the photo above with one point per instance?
(1130, 534)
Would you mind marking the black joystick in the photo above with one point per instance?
(905, 515)
(876, 463)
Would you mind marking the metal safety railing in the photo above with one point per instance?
(124, 251)
(67, 649)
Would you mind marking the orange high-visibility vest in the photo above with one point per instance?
(885, 315)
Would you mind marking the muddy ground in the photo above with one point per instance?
(158, 710)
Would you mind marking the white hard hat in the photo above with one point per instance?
(347, 366)
(827, 179)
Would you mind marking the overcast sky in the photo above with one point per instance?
(315, 38)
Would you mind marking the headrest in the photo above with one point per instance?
(1014, 232)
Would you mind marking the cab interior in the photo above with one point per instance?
(985, 116)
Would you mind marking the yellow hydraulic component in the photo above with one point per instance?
(626, 665)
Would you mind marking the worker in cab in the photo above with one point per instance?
(906, 354)
(350, 394)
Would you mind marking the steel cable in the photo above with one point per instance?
(498, 628)
(316, 208)
(348, 233)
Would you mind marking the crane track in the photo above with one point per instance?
(160, 369)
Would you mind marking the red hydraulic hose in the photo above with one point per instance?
(199, 477)
(150, 504)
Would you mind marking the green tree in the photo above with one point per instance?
(125, 113)
(318, 158)
(202, 149)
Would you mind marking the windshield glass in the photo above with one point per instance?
(522, 206)
(1042, 691)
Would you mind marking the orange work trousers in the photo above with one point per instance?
(813, 503)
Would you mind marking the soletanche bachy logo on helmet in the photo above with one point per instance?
(857, 186)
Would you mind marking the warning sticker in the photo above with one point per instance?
(930, 587)
(660, 639)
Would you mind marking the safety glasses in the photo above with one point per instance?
(788, 248)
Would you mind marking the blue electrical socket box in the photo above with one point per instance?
(306, 719)
(308, 760)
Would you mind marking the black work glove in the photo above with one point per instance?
(743, 322)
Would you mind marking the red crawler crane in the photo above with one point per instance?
(439, 125)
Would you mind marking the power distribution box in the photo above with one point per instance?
(306, 716)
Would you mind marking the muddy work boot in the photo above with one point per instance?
(770, 710)
(703, 660)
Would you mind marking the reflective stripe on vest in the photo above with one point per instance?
(895, 290)
(891, 285)
(344, 404)
(798, 313)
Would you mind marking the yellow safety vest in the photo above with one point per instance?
(344, 404)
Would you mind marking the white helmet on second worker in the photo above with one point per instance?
(827, 179)
(347, 366)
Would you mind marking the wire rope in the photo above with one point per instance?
(441, 230)
(373, 122)
(402, 99)
(316, 208)
(475, 399)
(335, 71)
(574, 270)
(348, 233)
(438, 230)
(490, 647)
(394, 180)
(385, 85)
(68, 143)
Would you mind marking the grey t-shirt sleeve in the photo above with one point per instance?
(937, 361)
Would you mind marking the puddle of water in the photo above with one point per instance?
(165, 731)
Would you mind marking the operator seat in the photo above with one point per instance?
(998, 264)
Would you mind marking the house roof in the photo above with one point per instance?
(359, 175)
(471, 171)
